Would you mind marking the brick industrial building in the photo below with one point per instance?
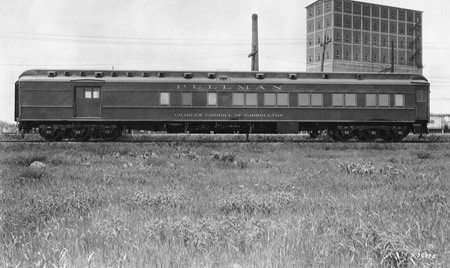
(362, 37)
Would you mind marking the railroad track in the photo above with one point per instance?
(222, 138)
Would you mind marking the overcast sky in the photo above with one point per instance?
(181, 35)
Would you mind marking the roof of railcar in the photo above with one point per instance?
(219, 77)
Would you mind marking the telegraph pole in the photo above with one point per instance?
(392, 56)
(324, 44)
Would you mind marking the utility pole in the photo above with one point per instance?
(392, 56)
(255, 53)
(324, 44)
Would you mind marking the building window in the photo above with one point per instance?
(399, 100)
(303, 99)
(328, 22)
(337, 100)
(366, 26)
(328, 54)
(371, 100)
(92, 93)
(356, 56)
(338, 55)
(269, 99)
(186, 99)
(318, 25)
(316, 99)
(366, 40)
(251, 99)
(282, 99)
(383, 100)
(212, 99)
(164, 98)
(350, 100)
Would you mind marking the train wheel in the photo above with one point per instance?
(114, 134)
(314, 134)
(387, 135)
(82, 135)
(368, 136)
(51, 135)
(339, 136)
(396, 137)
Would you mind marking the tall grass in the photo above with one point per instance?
(225, 205)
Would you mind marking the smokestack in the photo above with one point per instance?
(255, 52)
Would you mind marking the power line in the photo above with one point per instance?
(141, 40)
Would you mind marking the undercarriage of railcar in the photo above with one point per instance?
(110, 131)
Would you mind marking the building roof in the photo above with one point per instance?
(312, 4)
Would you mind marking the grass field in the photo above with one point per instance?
(225, 205)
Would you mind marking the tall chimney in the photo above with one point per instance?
(255, 52)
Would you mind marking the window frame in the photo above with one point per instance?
(163, 100)
(346, 100)
(208, 99)
(308, 99)
(91, 93)
(312, 99)
(183, 95)
(383, 105)
(249, 96)
(266, 99)
(337, 99)
(241, 99)
(375, 100)
(278, 99)
(399, 105)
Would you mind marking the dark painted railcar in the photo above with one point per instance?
(102, 104)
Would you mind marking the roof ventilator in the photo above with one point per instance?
(129, 74)
(67, 73)
(360, 76)
(259, 76)
(98, 74)
(52, 73)
(325, 76)
(292, 76)
(161, 74)
(211, 75)
(144, 74)
(114, 74)
(82, 73)
(187, 75)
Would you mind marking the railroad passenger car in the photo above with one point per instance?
(78, 104)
